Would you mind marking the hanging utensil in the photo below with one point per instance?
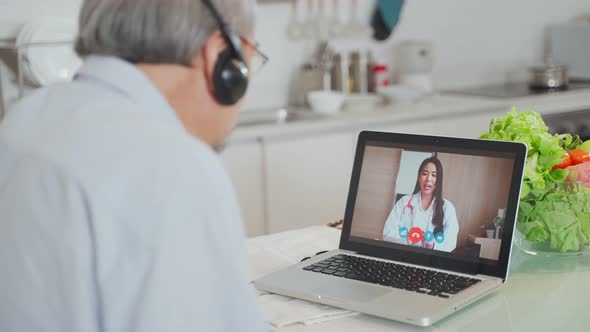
(336, 25)
(355, 27)
(322, 23)
(295, 29)
(310, 23)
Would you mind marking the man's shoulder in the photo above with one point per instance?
(147, 150)
(97, 140)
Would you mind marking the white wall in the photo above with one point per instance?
(476, 41)
(14, 13)
(408, 169)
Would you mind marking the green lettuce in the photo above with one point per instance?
(549, 210)
(544, 150)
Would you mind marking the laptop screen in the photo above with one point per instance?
(433, 199)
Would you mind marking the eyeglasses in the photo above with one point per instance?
(258, 59)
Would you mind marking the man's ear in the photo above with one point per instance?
(207, 57)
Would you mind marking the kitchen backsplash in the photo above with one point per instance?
(15, 12)
(475, 41)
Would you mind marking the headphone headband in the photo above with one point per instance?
(230, 75)
(230, 37)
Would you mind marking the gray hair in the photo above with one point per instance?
(156, 31)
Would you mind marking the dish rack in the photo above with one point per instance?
(19, 49)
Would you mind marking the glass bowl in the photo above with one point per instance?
(554, 220)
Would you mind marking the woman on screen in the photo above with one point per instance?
(424, 219)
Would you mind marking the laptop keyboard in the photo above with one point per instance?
(393, 275)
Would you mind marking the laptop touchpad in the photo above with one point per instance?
(349, 291)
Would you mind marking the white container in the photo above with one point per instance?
(414, 57)
(380, 77)
(419, 81)
(325, 101)
(402, 95)
(570, 46)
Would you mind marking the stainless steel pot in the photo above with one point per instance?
(548, 77)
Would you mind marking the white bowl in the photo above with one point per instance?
(400, 94)
(325, 101)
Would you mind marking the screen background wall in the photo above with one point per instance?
(476, 186)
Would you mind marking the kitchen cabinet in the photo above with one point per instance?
(243, 163)
(426, 127)
(307, 179)
(466, 126)
(422, 127)
(291, 182)
(294, 176)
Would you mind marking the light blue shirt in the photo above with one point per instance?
(114, 218)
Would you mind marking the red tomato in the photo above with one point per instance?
(565, 163)
(579, 156)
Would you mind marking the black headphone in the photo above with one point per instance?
(230, 76)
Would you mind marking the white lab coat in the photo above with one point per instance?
(403, 218)
(114, 218)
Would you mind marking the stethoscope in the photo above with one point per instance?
(409, 205)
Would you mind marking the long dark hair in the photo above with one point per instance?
(438, 216)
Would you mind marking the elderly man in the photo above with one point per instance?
(115, 211)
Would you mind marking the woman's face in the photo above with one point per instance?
(427, 179)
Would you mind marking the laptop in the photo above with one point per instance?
(427, 229)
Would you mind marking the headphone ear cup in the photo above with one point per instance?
(230, 78)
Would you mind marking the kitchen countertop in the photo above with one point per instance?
(436, 106)
(541, 293)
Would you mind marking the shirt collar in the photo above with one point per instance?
(416, 198)
(417, 202)
(127, 79)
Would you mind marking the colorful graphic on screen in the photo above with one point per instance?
(433, 200)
